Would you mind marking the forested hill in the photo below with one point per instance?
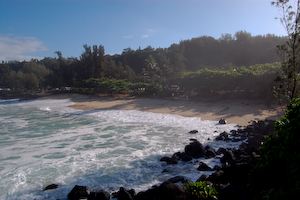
(242, 49)
(224, 61)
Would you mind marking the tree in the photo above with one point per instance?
(4, 74)
(34, 75)
(151, 63)
(287, 83)
(92, 62)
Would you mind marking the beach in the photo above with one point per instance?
(240, 112)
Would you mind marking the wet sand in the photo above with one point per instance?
(234, 111)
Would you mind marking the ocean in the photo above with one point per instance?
(44, 142)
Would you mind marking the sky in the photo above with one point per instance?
(38, 28)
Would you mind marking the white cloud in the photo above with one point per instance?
(18, 48)
(145, 36)
(152, 30)
(128, 36)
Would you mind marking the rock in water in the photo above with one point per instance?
(222, 121)
(166, 191)
(203, 167)
(99, 195)
(125, 194)
(195, 150)
(51, 187)
(193, 131)
(79, 192)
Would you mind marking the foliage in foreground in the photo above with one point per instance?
(277, 175)
(201, 190)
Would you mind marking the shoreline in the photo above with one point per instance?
(240, 112)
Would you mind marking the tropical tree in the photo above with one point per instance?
(288, 85)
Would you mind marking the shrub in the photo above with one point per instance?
(201, 190)
(277, 174)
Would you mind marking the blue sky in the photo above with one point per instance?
(38, 28)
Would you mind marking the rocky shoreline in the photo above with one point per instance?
(230, 179)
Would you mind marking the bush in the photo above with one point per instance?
(277, 174)
(201, 190)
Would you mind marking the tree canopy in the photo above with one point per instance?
(202, 64)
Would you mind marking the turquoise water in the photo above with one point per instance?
(45, 141)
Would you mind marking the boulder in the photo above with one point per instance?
(173, 160)
(210, 152)
(221, 151)
(177, 179)
(165, 159)
(222, 121)
(195, 150)
(223, 136)
(204, 167)
(185, 157)
(228, 157)
(79, 192)
(125, 194)
(166, 191)
(99, 195)
(203, 177)
(217, 177)
(193, 131)
(217, 167)
(51, 187)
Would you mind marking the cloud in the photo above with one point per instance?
(18, 47)
(151, 30)
(128, 36)
(145, 36)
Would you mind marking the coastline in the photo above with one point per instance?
(240, 112)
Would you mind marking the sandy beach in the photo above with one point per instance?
(234, 111)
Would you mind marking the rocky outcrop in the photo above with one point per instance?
(230, 180)
(84, 192)
(166, 191)
(193, 150)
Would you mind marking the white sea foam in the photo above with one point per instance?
(45, 142)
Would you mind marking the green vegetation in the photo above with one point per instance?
(253, 82)
(200, 67)
(111, 86)
(288, 82)
(201, 190)
(277, 175)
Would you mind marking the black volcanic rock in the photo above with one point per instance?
(195, 149)
(79, 192)
(125, 194)
(51, 187)
(204, 167)
(193, 131)
(99, 195)
(166, 191)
